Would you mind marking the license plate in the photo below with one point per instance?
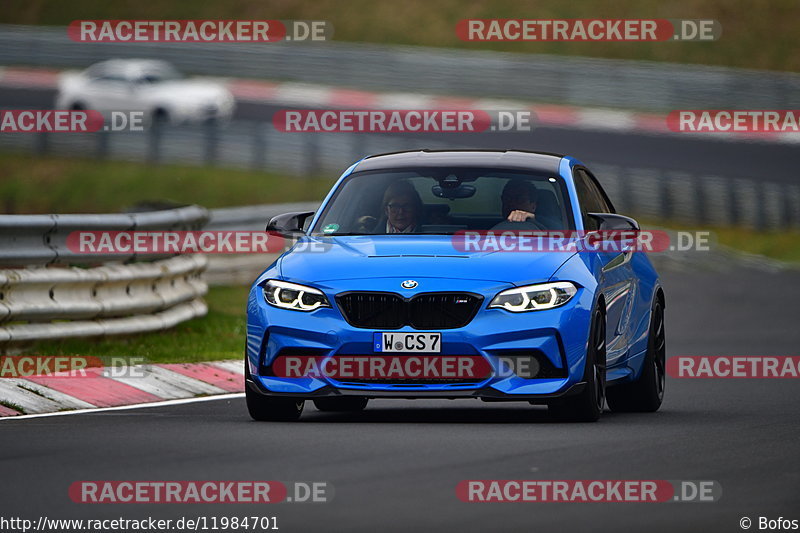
(408, 342)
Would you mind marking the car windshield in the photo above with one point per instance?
(151, 73)
(440, 200)
(159, 75)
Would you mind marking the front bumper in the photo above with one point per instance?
(487, 394)
(559, 335)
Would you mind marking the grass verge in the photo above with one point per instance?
(35, 184)
(783, 245)
(13, 406)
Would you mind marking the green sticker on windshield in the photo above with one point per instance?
(330, 228)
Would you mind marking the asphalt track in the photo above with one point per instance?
(395, 466)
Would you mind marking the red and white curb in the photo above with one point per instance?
(325, 97)
(29, 77)
(141, 384)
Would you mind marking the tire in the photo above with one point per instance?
(341, 404)
(646, 394)
(271, 408)
(160, 117)
(587, 406)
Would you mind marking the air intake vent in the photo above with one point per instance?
(387, 310)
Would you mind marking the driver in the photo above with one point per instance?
(402, 207)
(519, 206)
(519, 201)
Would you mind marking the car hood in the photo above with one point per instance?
(418, 256)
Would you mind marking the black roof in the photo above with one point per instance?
(511, 159)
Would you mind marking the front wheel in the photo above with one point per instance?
(588, 404)
(646, 393)
(160, 117)
(271, 408)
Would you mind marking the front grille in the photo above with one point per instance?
(373, 309)
(387, 310)
(442, 310)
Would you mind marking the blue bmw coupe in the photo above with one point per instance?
(498, 275)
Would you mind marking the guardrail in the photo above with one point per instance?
(48, 303)
(43, 295)
(42, 239)
(544, 78)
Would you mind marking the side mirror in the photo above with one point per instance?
(289, 224)
(614, 222)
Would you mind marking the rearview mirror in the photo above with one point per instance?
(451, 193)
(289, 224)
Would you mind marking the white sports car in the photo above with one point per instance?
(151, 86)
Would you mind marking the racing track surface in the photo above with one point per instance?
(395, 466)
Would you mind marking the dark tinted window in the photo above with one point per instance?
(116, 78)
(592, 200)
(443, 201)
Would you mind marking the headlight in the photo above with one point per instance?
(535, 297)
(293, 296)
